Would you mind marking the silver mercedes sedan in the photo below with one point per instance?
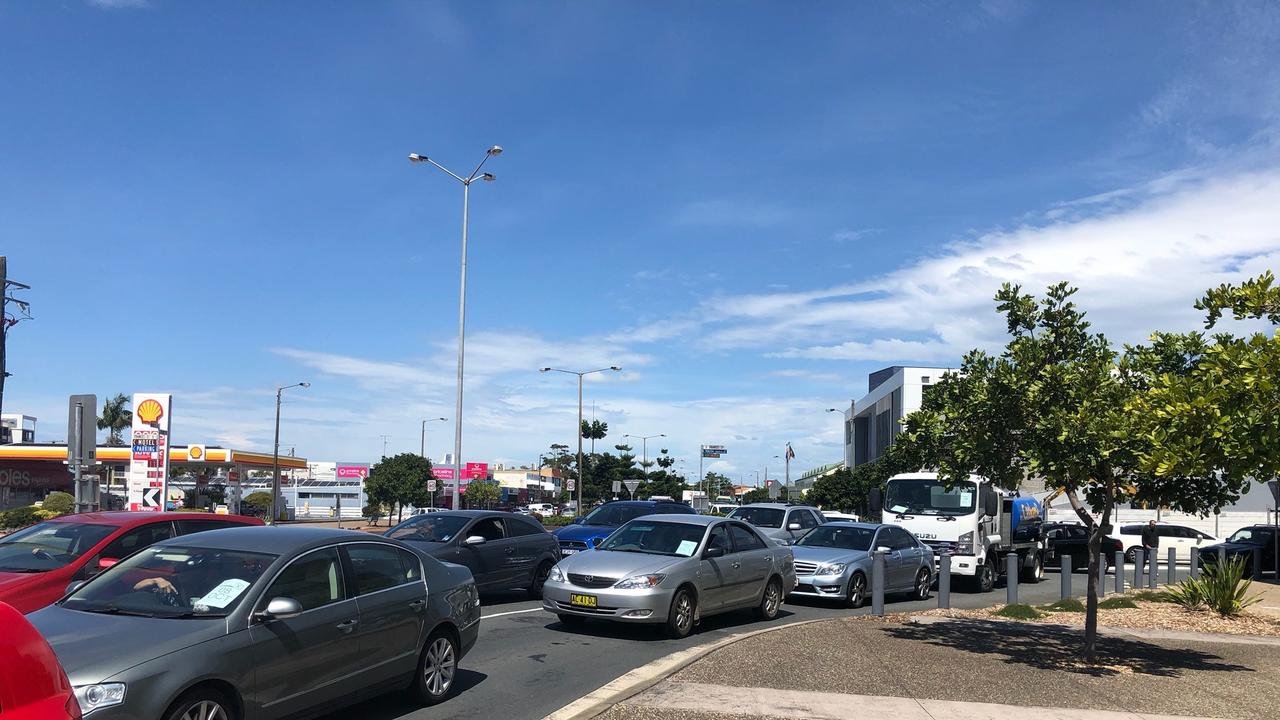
(672, 570)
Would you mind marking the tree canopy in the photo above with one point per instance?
(116, 418)
(398, 481)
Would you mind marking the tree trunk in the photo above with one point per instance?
(1096, 532)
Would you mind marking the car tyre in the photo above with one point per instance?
(684, 609)
(540, 576)
(203, 704)
(437, 668)
(923, 581)
(1131, 555)
(1035, 573)
(857, 594)
(771, 601)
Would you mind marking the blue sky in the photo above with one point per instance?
(746, 206)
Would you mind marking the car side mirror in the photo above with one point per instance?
(793, 526)
(597, 542)
(105, 563)
(280, 608)
(884, 549)
(474, 540)
(713, 552)
(72, 587)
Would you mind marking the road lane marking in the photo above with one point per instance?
(512, 612)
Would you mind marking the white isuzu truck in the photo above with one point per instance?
(979, 524)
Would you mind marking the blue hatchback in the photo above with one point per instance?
(601, 522)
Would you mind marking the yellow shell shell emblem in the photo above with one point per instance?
(194, 453)
(150, 411)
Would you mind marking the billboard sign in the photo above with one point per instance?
(351, 471)
(475, 471)
(442, 473)
(149, 451)
(713, 451)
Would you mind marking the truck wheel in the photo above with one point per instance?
(986, 579)
(1035, 573)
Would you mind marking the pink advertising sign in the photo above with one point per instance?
(442, 473)
(351, 471)
(475, 471)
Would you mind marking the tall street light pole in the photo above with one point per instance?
(578, 427)
(423, 450)
(462, 301)
(275, 454)
(644, 445)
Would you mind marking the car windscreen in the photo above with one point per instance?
(929, 497)
(173, 582)
(656, 538)
(834, 536)
(432, 527)
(49, 545)
(1250, 536)
(760, 517)
(614, 515)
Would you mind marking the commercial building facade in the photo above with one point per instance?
(871, 423)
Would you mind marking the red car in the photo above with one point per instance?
(33, 685)
(37, 563)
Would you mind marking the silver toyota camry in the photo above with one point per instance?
(672, 570)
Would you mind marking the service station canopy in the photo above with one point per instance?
(210, 456)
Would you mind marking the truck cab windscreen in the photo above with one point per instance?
(929, 497)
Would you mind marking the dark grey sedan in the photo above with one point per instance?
(262, 622)
(504, 551)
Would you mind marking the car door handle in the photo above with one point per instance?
(735, 566)
(510, 550)
(417, 605)
(347, 626)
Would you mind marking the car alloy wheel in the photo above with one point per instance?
(771, 601)
(1131, 555)
(205, 710)
(922, 584)
(439, 666)
(683, 612)
(857, 590)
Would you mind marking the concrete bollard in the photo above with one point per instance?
(1119, 571)
(1153, 571)
(1195, 563)
(1171, 571)
(944, 580)
(1066, 576)
(1011, 577)
(877, 583)
(1139, 557)
(1102, 574)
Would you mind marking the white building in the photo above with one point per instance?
(17, 428)
(871, 423)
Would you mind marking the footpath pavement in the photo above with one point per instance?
(968, 670)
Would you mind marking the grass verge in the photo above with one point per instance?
(1019, 612)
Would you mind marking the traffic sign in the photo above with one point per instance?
(617, 486)
(631, 485)
(151, 498)
(570, 485)
(431, 484)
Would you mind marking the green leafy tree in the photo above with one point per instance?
(116, 418)
(1059, 403)
(257, 503)
(482, 494)
(761, 495)
(398, 481)
(717, 484)
(594, 430)
(849, 489)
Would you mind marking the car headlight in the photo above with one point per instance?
(557, 575)
(966, 541)
(830, 569)
(93, 697)
(640, 582)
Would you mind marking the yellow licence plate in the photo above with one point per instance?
(582, 600)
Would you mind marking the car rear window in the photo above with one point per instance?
(760, 516)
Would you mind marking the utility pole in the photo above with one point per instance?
(6, 323)
(385, 438)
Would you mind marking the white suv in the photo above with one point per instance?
(1179, 537)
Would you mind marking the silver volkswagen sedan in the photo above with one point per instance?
(672, 570)
(261, 622)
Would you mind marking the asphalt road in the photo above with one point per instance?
(526, 665)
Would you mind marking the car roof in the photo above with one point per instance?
(471, 513)
(684, 518)
(778, 506)
(642, 503)
(276, 540)
(854, 524)
(124, 518)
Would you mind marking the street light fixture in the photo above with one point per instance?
(423, 450)
(578, 427)
(275, 454)
(644, 444)
(493, 151)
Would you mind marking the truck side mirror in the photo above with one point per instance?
(875, 501)
(990, 501)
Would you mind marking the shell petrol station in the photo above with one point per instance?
(29, 471)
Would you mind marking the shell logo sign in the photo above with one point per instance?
(195, 452)
(150, 411)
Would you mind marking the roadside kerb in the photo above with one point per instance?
(1111, 631)
(646, 676)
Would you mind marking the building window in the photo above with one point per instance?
(924, 380)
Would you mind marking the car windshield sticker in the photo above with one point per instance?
(895, 508)
(686, 548)
(966, 498)
(222, 595)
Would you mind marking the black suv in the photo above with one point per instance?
(1243, 543)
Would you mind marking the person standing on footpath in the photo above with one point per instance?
(1150, 538)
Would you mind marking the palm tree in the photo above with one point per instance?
(116, 418)
(594, 430)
